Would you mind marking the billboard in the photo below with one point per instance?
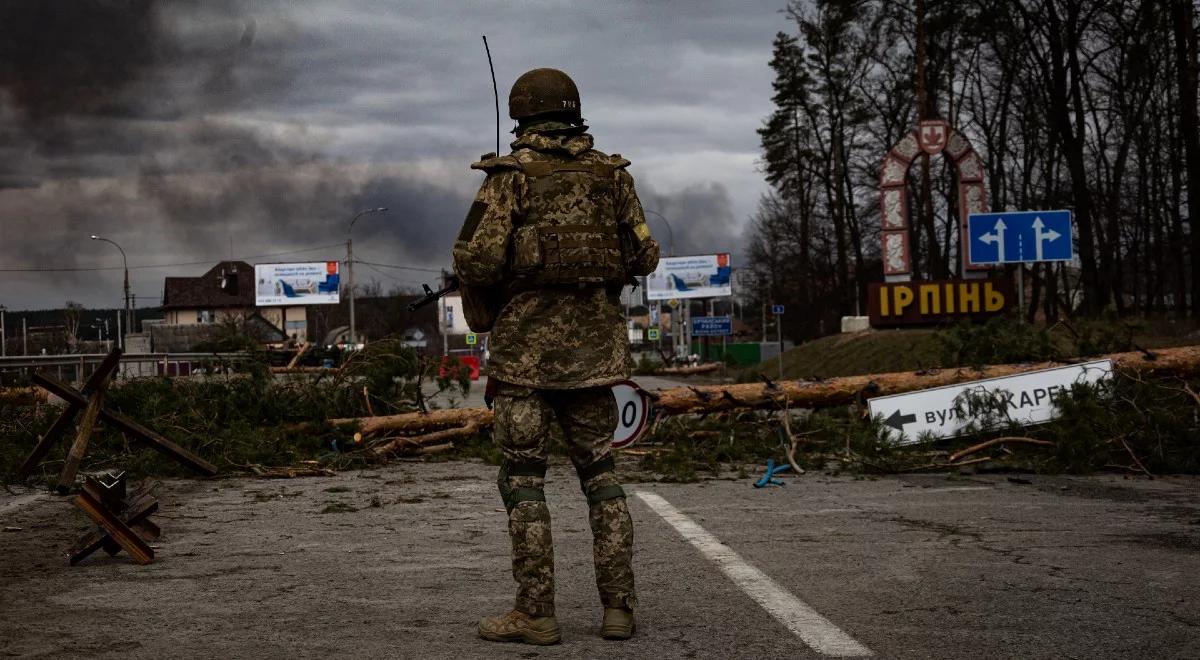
(310, 283)
(453, 321)
(700, 276)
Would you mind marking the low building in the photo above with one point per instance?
(194, 308)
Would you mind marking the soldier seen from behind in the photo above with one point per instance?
(553, 235)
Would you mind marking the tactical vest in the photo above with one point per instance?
(569, 235)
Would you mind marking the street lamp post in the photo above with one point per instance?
(670, 253)
(350, 265)
(670, 232)
(3, 333)
(128, 317)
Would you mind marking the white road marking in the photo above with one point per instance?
(815, 630)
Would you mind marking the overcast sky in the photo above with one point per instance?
(186, 131)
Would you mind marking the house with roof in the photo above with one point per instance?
(194, 308)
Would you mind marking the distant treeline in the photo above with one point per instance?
(1089, 105)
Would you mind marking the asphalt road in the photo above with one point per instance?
(910, 567)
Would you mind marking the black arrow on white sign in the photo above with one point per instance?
(897, 421)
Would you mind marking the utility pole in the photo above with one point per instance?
(676, 326)
(779, 338)
(3, 333)
(128, 317)
(350, 265)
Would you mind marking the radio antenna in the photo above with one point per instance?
(495, 92)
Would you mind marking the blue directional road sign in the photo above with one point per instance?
(712, 326)
(1019, 237)
(777, 309)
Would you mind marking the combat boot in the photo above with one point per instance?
(618, 623)
(517, 626)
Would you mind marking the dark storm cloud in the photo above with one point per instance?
(174, 127)
(63, 56)
(701, 219)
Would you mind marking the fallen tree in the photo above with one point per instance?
(1182, 362)
(418, 422)
(688, 371)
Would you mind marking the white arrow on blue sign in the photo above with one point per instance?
(777, 310)
(1019, 237)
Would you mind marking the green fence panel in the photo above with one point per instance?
(742, 353)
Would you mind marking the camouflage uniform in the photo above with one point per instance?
(556, 351)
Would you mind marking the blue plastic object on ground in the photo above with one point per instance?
(772, 470)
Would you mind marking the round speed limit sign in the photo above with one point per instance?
(633, 410)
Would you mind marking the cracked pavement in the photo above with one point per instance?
(410, 555)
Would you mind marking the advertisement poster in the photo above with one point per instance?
(312, 283)
(700, 276)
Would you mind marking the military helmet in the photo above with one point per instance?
(543, 92)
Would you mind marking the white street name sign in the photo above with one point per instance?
(1030, 398)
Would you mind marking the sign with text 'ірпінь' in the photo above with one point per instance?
(916, 303)
(1029, 398)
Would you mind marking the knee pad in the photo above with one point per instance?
(514, 496)
(589, 472)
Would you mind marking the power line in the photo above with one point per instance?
(423, 270)
(153, 266)
(389, 275)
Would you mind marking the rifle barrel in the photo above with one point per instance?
(431, 296)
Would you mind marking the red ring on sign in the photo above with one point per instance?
(640, 427)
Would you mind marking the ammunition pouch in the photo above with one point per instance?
(514, 496)
(589, 472)
(570, 235)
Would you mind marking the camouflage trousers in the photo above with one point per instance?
(525, 421)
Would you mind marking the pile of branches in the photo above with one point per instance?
(243, 421)
(1146, 420)
(371, 409)
(1131, 424)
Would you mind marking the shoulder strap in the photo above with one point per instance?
(618, 161)
(492, 163)
(545, 168)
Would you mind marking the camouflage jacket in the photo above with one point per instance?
(555, 337)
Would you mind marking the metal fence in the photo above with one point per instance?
(77, 367)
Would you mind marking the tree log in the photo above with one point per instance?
(688, 371)
(1182, 362)
(299, 370)
(436, 419)
(299, 354)
(997, 441)
(416, 442)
